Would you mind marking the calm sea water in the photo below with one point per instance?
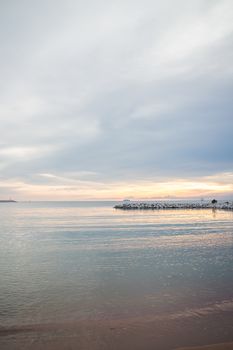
(64, 262)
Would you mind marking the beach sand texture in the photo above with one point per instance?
(222, 346)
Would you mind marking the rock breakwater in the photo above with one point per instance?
(224, 205)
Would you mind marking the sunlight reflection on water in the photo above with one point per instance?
(61, 261)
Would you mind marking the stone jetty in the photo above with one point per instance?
(128, 205)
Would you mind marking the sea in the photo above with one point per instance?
(83, 275)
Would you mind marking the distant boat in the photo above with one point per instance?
(7, 201)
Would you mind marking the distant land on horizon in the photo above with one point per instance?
(7, 201)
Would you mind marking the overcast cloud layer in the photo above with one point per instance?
(100, 95)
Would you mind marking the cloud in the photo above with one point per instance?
(127, 91)
(77, 188)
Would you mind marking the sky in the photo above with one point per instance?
(116, 99)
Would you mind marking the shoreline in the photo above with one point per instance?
(176, 331)
(118, 334)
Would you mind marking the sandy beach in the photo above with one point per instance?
(160, 333)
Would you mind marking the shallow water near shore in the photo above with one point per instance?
(84, 275)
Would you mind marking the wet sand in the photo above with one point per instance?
(197, 327)
(222, 346)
